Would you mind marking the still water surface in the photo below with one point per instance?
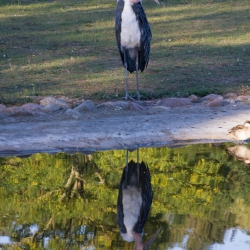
(201, 199)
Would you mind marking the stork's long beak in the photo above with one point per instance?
(148, 243)
(157, 2)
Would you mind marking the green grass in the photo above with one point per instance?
(68, 47)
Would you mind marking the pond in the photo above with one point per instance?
(201, 199)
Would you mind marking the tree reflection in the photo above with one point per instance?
(74, 184)
(201, 192)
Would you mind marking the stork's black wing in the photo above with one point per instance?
(120, 206)
(146, 35)
(147, 196)
(118, 21)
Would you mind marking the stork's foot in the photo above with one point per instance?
(128, 97)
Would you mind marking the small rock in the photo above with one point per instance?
(2, 107)
(106, 105)
(243, 98)
(3, 111)
(212, 97)
(160, 108)
(145, 103)
(113, 105)
(175, 102)
(86, 106)
(134, 107)
(231, 96)
(194, 99)
(73, 113)
(216, 103)
(32, 107)
(19, 111)
(50, 100)
(51, 107)
(121, 104)
(230, 101)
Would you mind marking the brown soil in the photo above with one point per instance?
(106, 128)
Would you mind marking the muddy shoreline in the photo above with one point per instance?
(118, 125)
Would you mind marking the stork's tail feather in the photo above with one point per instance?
(131, 65)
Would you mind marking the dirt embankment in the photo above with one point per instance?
(56, 125)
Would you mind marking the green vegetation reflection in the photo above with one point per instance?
(69, 201)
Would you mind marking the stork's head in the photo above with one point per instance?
(139, 245)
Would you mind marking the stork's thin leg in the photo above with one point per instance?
(138, 165)
(126, 165)
(137, 156)
(126, 76)
(137, 80)
(127, 158)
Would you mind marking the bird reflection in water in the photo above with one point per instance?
(241, 152)
(240, 132)
(134, 202)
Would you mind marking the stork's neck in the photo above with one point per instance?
(132, 1)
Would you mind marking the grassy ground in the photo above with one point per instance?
(68, 47)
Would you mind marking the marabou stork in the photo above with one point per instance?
(134, 202)
(133, 36)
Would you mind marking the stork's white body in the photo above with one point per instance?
(130, 31)
(133, 36)
(132, 202)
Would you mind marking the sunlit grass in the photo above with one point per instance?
(69, 48)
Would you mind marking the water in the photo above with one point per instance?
(201, 199)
